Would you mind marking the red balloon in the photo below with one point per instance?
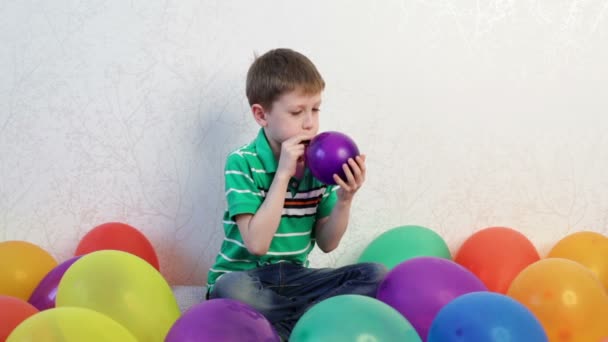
(13, 311)
(121, 237)
(496, 255)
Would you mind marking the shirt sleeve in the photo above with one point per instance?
(242, 193)
(327, 202)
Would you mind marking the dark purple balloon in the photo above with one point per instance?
(222, 320)
(327, 152)
(418, 288)
(45, 293)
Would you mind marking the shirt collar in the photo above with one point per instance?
(265, 153)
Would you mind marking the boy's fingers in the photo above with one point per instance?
(339, 181)
(305, 138)
(361, 161)
(354, 167)
(349, 176)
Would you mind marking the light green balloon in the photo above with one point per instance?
(403, 243)
(353, 318)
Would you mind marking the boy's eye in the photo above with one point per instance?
(316, 110)
(296, 112)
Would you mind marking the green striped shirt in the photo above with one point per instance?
(248, 175)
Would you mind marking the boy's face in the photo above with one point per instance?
(291, 114)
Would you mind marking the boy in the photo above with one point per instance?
(277, 210)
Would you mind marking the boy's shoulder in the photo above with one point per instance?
(243, 156)
(249, 149)
(255, 157)
(243, 151)
(255, 152)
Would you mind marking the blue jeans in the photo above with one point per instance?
(282, 292)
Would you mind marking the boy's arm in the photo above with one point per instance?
(258, 229)
(329, 230)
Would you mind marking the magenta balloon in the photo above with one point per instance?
(222, 320)
(45, 293)
(418, 288)
(327, 152)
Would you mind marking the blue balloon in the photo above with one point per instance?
(485, 317)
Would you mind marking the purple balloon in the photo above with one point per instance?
(418, 288)
(327, 152)
(222, 320)
(45, 293)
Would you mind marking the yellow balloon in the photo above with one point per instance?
(70, 324)
(587, 248)
(22, 267)
(125, 288)
(566, 297)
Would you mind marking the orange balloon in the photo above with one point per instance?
(22, 267)
(13, 311)
(120, 237)
(566, 297)
(587, 248)
(496, 255)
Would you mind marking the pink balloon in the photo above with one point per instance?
(418, 288)
(45, 293)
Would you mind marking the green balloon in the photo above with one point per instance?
(403, 243)
(348, 318)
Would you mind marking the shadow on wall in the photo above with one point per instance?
(223, 124)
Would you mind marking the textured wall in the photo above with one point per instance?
(472, 114)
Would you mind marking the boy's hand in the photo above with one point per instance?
(292, 152)
(355, 177)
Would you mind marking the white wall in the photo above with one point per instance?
(472, 114)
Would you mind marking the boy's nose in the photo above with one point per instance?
(308, 121)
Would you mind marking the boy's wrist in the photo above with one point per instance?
(282, 176)
(344, 202)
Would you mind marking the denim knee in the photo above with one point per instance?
(374, 271)
(234, 285)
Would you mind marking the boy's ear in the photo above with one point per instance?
(259, 114)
